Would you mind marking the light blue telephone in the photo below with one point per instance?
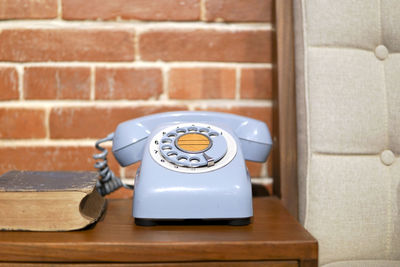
(192, 165)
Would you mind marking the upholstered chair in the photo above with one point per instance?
(347, 68)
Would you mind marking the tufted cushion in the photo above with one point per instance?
(370, 263)
(348, 105)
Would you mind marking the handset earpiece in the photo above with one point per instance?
(255, 139)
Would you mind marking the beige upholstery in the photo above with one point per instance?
(348, 105)
(365, 263)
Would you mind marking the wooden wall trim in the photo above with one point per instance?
(285, 130)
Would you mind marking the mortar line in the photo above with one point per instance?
(20, 71)
(92, 83)
(59, 9)
(264, 170)
(165, 83)
(46, 142)
(136, 45)
(254, 180)
(143, 64)
(203, 10)
(262, 180)
(122, 172)
(191, 107)
(47, 122)
(238, 80)
(58, 23)
(40, 104)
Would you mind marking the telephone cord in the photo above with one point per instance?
(107, 182)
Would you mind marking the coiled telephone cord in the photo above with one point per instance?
(107, 182)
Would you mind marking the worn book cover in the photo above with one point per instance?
(49, 201)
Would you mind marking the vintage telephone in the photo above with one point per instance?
(192, 165)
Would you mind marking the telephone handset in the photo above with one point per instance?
(192, 165)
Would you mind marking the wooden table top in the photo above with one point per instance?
(273, 234)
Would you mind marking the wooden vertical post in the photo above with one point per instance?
(285, 110)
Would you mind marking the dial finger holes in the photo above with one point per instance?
(181, 130)
(204, 130)
(182, 158)
(192, 129)
(194, 160)
(172, 154)
(166, 141)
(171, 135)
(166, 147)
(213, 134)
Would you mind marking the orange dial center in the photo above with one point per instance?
(193, 142)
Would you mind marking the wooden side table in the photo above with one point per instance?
(273, 239)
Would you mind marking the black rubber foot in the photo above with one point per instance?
(240, 222)
(154, 222)
(145, 222)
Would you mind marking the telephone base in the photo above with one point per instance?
(154, 222)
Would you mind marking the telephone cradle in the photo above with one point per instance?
(192, 165)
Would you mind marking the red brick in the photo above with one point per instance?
(66, 45)
(254, 168)
(51, 158)
(202, 83)
(240, 10)
(128, 83)
(8, 84)
(57, 83)
(270, 188)
(259, 113)
(182, 10)
(256, 83)
(22, 123)
(207, 45)
(28, 9)
(130, 171)
(96, 122)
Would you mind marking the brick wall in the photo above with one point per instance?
(71, 70)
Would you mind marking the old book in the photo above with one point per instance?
(49, 201)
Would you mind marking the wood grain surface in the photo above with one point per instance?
(171, 264)
(273, 235)
(285, 130)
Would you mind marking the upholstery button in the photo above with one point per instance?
(387, 157)
(381, 52)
